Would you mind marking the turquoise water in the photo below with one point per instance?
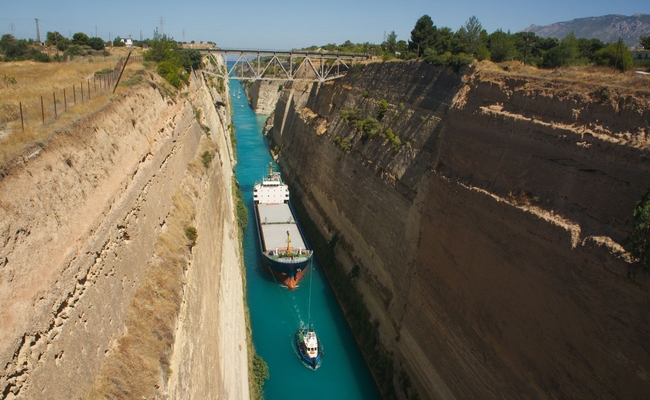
(276, 313)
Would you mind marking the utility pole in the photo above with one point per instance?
(141, 35)
(38, 33)
(618, 50)
(162, 28)
(183, 35)
(95, 30)
(110, 40)
(12, 27)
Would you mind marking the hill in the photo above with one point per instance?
(608, 28)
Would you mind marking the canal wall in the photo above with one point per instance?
(86, 217)
(262, 95)
(479, 217)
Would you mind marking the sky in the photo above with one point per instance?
(288, 24)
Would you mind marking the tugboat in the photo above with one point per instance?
(309, 347)
(307, 343)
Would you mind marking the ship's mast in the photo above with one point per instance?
(270, 171)
(288, 244)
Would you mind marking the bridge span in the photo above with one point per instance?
(282, 65)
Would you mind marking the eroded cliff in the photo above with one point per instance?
(480, 216)
(81, 221)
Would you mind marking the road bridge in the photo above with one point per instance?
(283, 65)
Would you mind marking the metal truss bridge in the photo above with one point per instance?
(282, 65)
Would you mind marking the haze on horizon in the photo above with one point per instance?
(287, 24)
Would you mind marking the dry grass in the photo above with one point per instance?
(576, 78)
(34, 80)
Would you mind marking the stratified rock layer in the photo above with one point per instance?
(488, 234)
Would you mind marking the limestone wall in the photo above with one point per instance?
(488, 237)
(263, 95)
(79, 219)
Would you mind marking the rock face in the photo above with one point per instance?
(263, 95)
(79, 221)
(484, 227)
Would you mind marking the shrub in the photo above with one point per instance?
(73, 50)
(96, 43)
(103, 72)
(638, 241)
(9, 80)
(369, 126)
(191, 234)
(605, 94)
(206, 158)
(345, 144)
(383, 107)
(242, 211)
(350, 116)
(260, 372)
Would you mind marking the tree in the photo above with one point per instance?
(13, 48)
(117, 42)
(567, 53)
(615, 55)
(470, 35)
(401, 47)
(444, 41)
(502, 47)
(422, 35)
(391, 42)
(54, 38)
(589, 47)
(80, 38)
(191, 59)
(96, 43)
(161, 48)
(645, 42)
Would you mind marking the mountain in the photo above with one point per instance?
(608, 28)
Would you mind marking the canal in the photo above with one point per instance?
(276, 313)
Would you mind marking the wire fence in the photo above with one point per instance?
(51, 106)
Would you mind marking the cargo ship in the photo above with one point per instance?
(282, 244)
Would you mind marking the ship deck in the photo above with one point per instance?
(275, 220)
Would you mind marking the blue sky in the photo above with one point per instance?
(286, 24)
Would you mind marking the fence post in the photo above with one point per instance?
(122, 71)
(42, 110)
(94, 85)
(82, 92)
(88, 89)
(74, 94)
(65, 101)
(22, 122)
(55, 115)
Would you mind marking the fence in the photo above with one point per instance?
(51, 106)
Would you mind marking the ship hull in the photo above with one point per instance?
(288, 272)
